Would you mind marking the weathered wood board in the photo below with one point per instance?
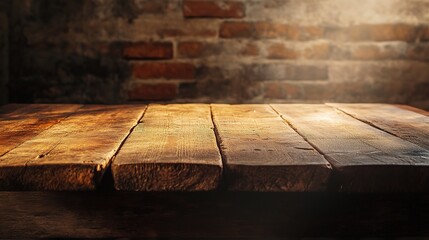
(413, 109)
(365, 159)
(173, 148)
(262, 153)
(71, 155)
(408, 125)
(21, 122)
(372, 147)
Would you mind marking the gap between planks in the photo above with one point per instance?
(370, 159)
(108, 167)
(414, 130)
(218, 144)
(262, 153)
(326, 157)
(173, 148)
(67, 172)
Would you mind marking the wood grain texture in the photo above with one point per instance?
(71, 155)
(365, 159)
(413, 109)
(21, 122)
(262, 153)
(408, 125)
(173, 148)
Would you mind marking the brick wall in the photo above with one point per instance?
(4, 74)
(224, 51)
(2, 61)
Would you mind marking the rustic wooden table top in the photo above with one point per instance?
(194, 147)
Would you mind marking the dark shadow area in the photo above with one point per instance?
(212, 215)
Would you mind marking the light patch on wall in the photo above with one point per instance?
(366, 11)
(340, 12)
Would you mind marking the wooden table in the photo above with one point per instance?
(252, 170)
(198, 147)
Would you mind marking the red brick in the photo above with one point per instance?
(213, 9)
(395, 32)
(317, 51)
(282, 90)
(237, 30)
(292, 90)
(153, 7)
(418, 52)
(276, 30)
(158, 91)
(267, 30)
(366, 53)
(256, 30)
(195, 49)
(178, 32)
(250, 49)
(317, 91)
(148, 50)
(152, 70)
(273, 90)
(190, 49)
(312, 32)
(284, 71)
(313, 51)
(373, 52)
(381, 32)
(280, 51)
(424, 33)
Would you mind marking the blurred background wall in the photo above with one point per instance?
(114, 51)
(4, 52)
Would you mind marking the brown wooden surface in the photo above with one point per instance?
(262, 153)
(413, 109)
(72, 154)
(372, 147)
(21, 122)
(365, 159)
(173, 148)
(408, 125)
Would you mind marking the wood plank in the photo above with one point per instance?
(262, 153)
(173, 148)
(71, 155)
(408, 125)
(21, 122)
(365, 159)
(414, 109)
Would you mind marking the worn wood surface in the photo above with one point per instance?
(365, 159)
(70, 155)
(212, 215)
(408, 125)
(262, 153)
(180, 147)
(413, 109)
(173, 148)
(21, 122)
